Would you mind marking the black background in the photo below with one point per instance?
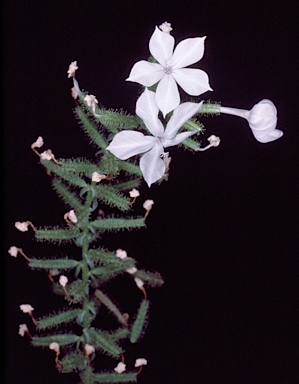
(224, 229)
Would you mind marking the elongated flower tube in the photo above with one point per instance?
(170, 69)
(126, 144)
(262, 119)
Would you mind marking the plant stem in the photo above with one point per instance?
(85, 246)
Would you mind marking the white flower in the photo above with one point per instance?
(170, 69)
(120, 253)
(71, 217)
(128, 143)
(165, 27)
(97, 177)
(139, 282)
(38, 143)
(54, 346)
(148, 204)
(91, 100)
(120, 368)
(131, 270)
(139, 362)
(134, 193)
(72, 69)
(63, 280)
(13, 251)
(23, 227)
(26, 308)
(214, 140)
(47, 155)
(262, 119)
(23, 329)
(89, 349)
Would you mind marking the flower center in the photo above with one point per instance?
(167, 69)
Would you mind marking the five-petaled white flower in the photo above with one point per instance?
(126, 144)
(262, 119)
(170, 69)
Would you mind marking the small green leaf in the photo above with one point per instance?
(61, 339)
(140, 322)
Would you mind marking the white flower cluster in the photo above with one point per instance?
(167, 72)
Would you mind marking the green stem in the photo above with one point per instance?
(85, 269)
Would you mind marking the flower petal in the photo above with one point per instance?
(178, 139)
(193, 81)
(167, 95)
(151, 165)
(147, 110)
(161, 46)
(180, 115)
(146, 73)
(263, 137)
(126, 144)
(188, 52)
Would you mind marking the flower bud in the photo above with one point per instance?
(262, 120)
(89, 349)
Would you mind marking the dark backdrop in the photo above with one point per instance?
(224, 228)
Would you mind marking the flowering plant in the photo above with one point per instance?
(98, 193)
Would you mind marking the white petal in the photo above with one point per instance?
(167, 95)
(147, 110)
(268, 137)
(146, 73)
(180, 115)
(161, 46)
(151, 165)
(178, 139)
(188, 52)
(126, 144)
(193, 81)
